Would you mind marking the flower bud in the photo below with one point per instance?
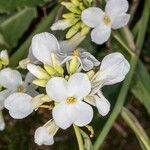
(4, 57)
(38, 71)
(73, 65)
(50, 69)
(41, 83)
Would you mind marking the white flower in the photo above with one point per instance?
(69, 94)
(20, 105)
(114, 17)
(43, 44)
(2, 123)
(45, 135)
(87, 60)
(69, 50)
(12, 81)
(114, 67)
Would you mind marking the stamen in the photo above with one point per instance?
(107, 20)
(21, 89)
(76, 53)
(71, 100)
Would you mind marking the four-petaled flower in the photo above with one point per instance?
(114, 17)
(68, 96)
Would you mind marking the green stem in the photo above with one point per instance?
(136, 127)
(120, 41)
(79, 137)
(124, 90)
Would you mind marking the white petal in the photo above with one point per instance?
(43, 45)
(10, 79)
(116, 7)
(87, 64)
(19, 105)
(57, 89)
(114, 67)
(92, 16)
(71, 44)
(31, 56)
(101, 33)
(83, 113)
(2, 123)
(102, 104)
(3, 95)
(79, 85)
(120, 21)
(90, 57)
(29, 77)
(61, 25)
(42, 137)
(61, 115)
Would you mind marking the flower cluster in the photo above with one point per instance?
(114, 17)
(71, 84)
(72, 79)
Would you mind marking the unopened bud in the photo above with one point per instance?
(73, 65)
(50, 70)
(4, 57)
(23, 63)
(37, 71)
(59, 70)
(71, 7)
(41, 83)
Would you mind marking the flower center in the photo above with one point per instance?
(71, 100)
(21, 89)
(76, 53)
(107, 20)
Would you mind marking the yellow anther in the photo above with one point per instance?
(90, 128)
(71, 100)
(76, 53)
(21, 89)
(107, 20)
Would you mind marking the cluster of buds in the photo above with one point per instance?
(72, 19)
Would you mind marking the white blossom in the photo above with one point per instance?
(68, 96)
(43, 44)
(45, 135)
(113, 69)
(114, 17)
(20, 105)
(12, 81)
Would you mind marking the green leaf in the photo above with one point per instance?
(136, 127)
(13, 27)
(141, 86)
(7, 6)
